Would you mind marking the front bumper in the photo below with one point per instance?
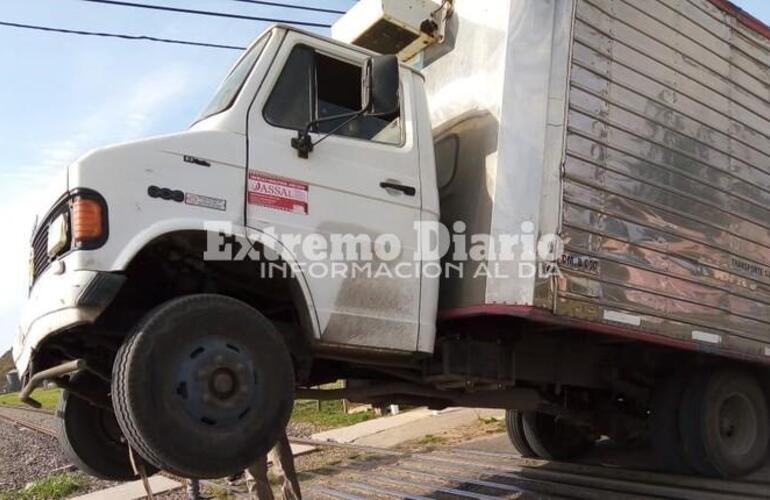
(58, 302)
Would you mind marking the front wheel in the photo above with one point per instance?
(203, 387)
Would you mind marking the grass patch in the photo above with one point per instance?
(50, 488)
(217, 492)
(431, 439)
(330, 415)
(49, 398)
(491, 425)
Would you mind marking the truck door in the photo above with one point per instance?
(361, 182)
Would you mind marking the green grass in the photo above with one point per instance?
(330, 416)
(492, 425)
(50, 488)
(431, 439)
(217, 492)
(49, 398)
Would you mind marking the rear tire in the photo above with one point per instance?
(514, 425)
(203, 387)
(665, 436)
(555, 438)
(92, 441)
(725, 424)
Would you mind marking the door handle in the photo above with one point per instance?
(407, 190)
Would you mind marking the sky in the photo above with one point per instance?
(63, 95)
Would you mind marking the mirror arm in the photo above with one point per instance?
(304, 144)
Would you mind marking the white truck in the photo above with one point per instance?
(601, 173)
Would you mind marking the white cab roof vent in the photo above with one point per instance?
(401, 27)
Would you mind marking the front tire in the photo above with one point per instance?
(203, 387)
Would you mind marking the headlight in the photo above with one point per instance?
(58, 235)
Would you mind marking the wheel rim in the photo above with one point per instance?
(738, 425)
(110, 429)
(562, 432)
(216, 383)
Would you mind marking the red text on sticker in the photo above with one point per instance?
(279, 194)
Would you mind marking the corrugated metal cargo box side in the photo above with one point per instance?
(666, 182)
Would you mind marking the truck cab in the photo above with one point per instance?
(230, 196)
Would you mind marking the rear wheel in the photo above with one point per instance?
(92, 441)
(555, 438)
(664, 424)
(725, 424)
(514, 425)
(203, 387)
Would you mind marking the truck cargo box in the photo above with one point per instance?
(638, 132)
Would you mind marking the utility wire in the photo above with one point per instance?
(116, 35)
(208, 13)
(289, 6)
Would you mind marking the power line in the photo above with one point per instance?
(116, 35)
(208, 13)
(289, 6)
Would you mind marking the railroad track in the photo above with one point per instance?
(28, 409)
(49, 432)
(468, 473)
(25, 423)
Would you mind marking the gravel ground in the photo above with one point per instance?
(41, 454)
(27, 455)
(302, 429)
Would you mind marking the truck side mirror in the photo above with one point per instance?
(380, 96)
(381, 85)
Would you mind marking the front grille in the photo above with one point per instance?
(40, 259)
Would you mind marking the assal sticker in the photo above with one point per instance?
(279, 194)
(621, 317)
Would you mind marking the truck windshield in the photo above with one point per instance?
(232, 85)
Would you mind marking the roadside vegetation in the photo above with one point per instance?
(49, 398)
(323, 416)
(49, 488)
(327, 414)
(6, 365)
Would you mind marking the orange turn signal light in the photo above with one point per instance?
(87, 223)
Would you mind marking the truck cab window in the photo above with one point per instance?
(232, 85)
(312, 86)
